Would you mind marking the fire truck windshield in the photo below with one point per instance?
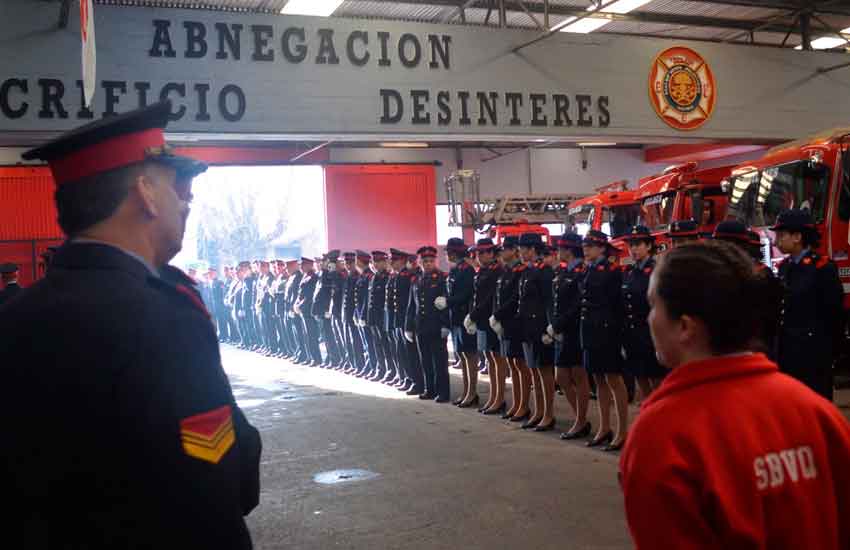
(580, 218)
(758, 197)
(618, 220)
(656, 212)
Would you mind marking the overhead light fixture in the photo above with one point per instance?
(405, 144)
(589, 24)
(596, 144)
(827, 42)
(321, 8)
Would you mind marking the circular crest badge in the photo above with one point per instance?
(682, 88)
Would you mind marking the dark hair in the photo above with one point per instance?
(86, 202)
(715, 282)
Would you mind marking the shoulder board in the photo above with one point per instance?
(520, 267)
(821, 262)
(580, 268)
(600, 267)
(614, 267)
(563, 265)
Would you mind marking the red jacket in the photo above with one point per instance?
(729, 453)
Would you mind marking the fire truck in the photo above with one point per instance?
(612, 210)
(812, 174)
(682, 193)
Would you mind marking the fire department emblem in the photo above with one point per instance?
(682, 88)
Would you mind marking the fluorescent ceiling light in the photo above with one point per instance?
(827, 42)
(590, 24)
(405, 144)
(322, 8)
(596, 144)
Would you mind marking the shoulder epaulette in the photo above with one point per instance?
(821, 261)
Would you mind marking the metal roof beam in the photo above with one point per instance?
(827, 7)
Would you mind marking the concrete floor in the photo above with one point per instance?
(441, 477)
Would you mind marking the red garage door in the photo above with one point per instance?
(380, 206)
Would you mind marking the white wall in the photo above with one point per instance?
(12, 156)
(552, 170)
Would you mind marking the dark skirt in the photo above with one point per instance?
(463, 342)
(603, 360)
(644, 365)
(511, 348)
(488, 341)
(569, 353)
(538, 354)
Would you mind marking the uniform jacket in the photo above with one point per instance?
(636, 338)
(293, 285)
(230, 294)
(460, 287)
(250, 291)
(376, 312)
(566, 300)
(361, 308)
(11, 289)
(349, 301)
(278, 291)
(601, 306)
(217, 293)
(811, 319)
(712, 462)
(391, 299)
(338, 293)
(483, 289)
(402, 297)
(534, 295)
(306, 292)
(324, 293)
(146, 445)
(506, 300)
(263, 298)
(422, 317)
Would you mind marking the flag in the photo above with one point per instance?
(89, 50)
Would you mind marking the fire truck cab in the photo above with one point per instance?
(613, 210)
(499, 232)
(682, 193)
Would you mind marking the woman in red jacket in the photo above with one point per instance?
(728, 452)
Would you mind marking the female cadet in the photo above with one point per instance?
(712, 462)
(601, 318)
(484, 288)
(683, 232)
(564, 328)
(457, 300)
(504, 323)
(641, 361)
(537, 366)
(811, 322)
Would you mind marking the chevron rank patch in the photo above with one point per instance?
(208, 436)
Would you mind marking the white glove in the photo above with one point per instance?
(440, 303)
(291, 314)
(467, 321)
(550, 330)
(409, 336)
(558, 337)
(493, 322)
(328, 315)
(297, 309)
(241, 314)
(472, 329)
(444, 332)
(546, 339)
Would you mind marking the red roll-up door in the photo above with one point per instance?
(380, 206)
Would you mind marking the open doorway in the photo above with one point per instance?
(254, 212)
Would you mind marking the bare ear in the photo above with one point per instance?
(692, 329)
(145, 189)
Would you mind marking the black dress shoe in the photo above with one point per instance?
(581, 434)
(440, 399)
(457, 401)
(474, 403)
(546, 427)
(507, 416)
(614, 447)
(414, 391)
(492, 412)
(522, 418)
(427, 395)
(604, 440)
(531, 424)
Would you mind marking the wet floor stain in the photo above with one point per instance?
(334, 477)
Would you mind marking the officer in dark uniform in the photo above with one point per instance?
(251, 300)
(277, 298)
(505, 323)
(477, 321)
(429, 326)
(142, 443)
(304, 307)
(243, 305)
(337, 301)
(641, 361)
(683, 231)
(415, 371)
(9, 275)
(601, 337)
(296, 324)
(396, 360)
(361, 310)
(564, 328)
(231, 285)
(353, 343)
(263, 306)
(376, 315)
(217, 298)
(811, 320)
(409, 374)
(735, 232)
(322, 306)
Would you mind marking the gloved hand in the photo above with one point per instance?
(440, 303)
(558, 337)
(444, 332)
(550, 330)
(360, 323)
(497, 326)
(297, 309)
(328, 315)
(493, 322)
(291, 314)
(467, 321)
(408, 336)
(472, 329)
(241, 314)
(546, 339)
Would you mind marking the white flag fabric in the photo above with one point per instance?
(89, 50)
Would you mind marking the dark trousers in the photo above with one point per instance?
(311, 343)
(245, 329)
(393, 360)
(416, 373)
(435, 364)
(269, 332)
(380, 338)
(232, 327)
(300, 337)
(330, 340)
(370, 361)
(354, 344)
(339, 336)
(402, 354)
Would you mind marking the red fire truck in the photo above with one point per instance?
(682, 193)
(612, 210)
